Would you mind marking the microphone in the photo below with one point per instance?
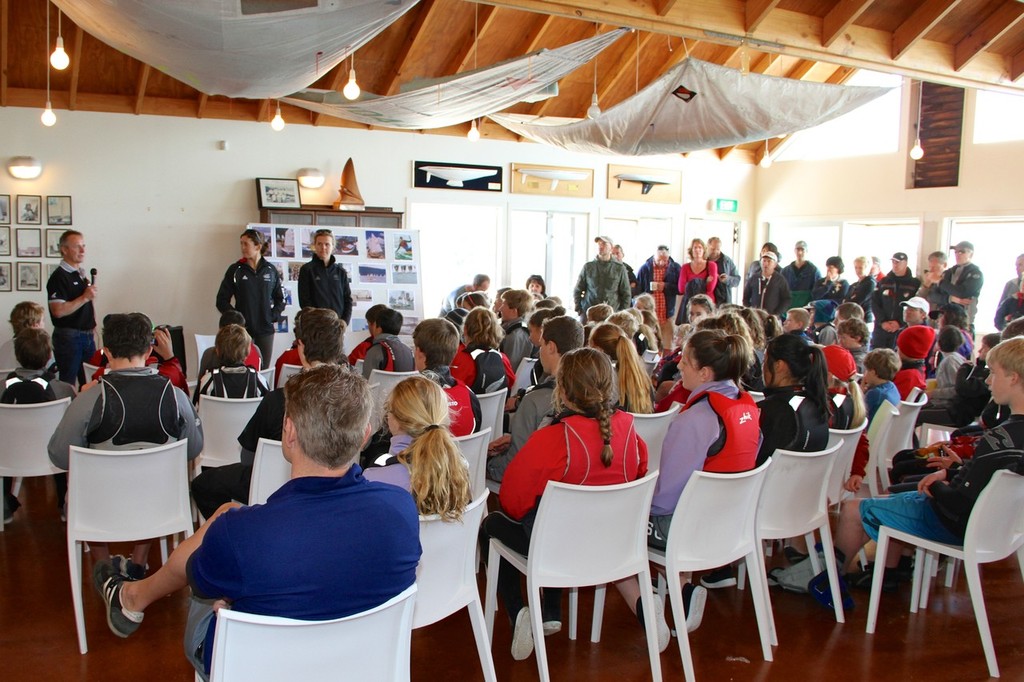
(93, 274)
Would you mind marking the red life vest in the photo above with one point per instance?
(740, 432)
(460, 409)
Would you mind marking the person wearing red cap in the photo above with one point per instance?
(846, 401)
(914, 344)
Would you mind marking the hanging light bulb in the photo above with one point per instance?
(474, 133)
(351, 89)
(277, 123)
(48, 118)
(593, 111)
(766, 160)
(59, 59)
(917, 151)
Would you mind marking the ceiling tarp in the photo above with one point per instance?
(462, 98)
(698, 105)
(239, 48)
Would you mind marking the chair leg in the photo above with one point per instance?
(812, 555)
(876, 579)
(762, 603)
(537, 625)
(491, 592)
(599, 594)
(650, 626)
(741, 574)
(833, 571)
(75, 570)
(951, 567)
(923, 580)
(483, 645)
(675, 593)
(981, 615)
(574, 605)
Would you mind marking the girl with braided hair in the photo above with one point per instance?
(590, 442)
(424, 459)
(634, 387)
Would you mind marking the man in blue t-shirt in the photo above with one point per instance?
(297, 555)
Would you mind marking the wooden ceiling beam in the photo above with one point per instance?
(542, 108)
(800, 71)
(5, 21)
(140, 88)
(339, 72)
(757, 11)
(989, 30)
(534, 38)
(664, 6)
(1017, 66)
(626, 67)
(76, 67)
(841, 75)
(415, 35)
(924, 19)
(840, 18)
(201, 104)
(463, 54)
(263, 113)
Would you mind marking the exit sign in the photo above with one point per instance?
(726, 205)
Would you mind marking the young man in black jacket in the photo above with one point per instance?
(323, 283)
(898, 286)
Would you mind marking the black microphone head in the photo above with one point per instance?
(93, 272)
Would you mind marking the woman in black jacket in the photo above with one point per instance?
(255, 286)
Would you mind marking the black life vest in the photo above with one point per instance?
(20, 391)
(490, 371)
(135, 411)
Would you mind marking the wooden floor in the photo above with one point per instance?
(37, 631)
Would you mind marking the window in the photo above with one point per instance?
(997, 117)
(997, 243)
(822, 241)
(849, 240)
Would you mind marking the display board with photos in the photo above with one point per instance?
(383, 266)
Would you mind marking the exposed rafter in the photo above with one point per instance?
(628, 66)
(464, 53)
(201, 104)
(1017, 66)
(840, 18)
(140, 88)
(989, 30)
(918, 24)
(411, 40)
(338, 74)
(5, 11)
(263, 114)
(76, 67)
(757, 12)
(665, 6)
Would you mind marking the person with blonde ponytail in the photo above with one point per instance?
(424, 458)
(634, 386)
(846, 400)
(590, 442)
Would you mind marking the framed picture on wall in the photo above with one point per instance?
(29, 244)
(5, 241)
(30, 276)
(277, 193)
(53, 242)
(29, 209)
(58, 210)
(5, 276)
(5, 209)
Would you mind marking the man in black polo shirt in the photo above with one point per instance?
(70, 296)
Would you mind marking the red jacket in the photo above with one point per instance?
(168, 368)
(289, 357)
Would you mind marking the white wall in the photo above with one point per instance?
(161, 206)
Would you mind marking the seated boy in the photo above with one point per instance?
(880, 366)
(435, 342)
(386, 351)
(950, 361)
(517, 303)
(914, 345)
(823, 331)
(796, 323)
(233, 379)
(853, 335)
(210, 361)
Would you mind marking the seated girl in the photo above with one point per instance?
(480, 365)
(636, 393)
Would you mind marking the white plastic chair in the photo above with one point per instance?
(474, 448)
(372, 645)
(901, 435)
(387, 382)
(26, 433)
(794, 502)
(756, 395)
(89, 370)
(994, 532)
(446, 576)
(268, 376)
(523, 373)
(714, 525)
(650, 356)
(652, 429)
(203, 341)
(270, 471)
(843, 459)
(123, 495)
(933, 433)
(286, 372)
(492, 411)
(877, 473)
(223, 419)
(583, 535)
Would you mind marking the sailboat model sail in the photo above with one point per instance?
(349, 198)
(698, 105)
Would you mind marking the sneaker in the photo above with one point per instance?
(694, 599)
(664, 634)
(718, 578)
(862, 580)
(121, 621)
(522, 636)
(793, 555)
(102, 570)
(552, 627)
(128, 568)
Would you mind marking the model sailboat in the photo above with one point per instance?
(349, 198)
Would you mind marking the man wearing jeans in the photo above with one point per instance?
(70, 296)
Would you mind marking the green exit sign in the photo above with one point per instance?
(726, 205)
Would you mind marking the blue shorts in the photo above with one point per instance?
(908, 512)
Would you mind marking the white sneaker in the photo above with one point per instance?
(552, 627)
(664, 635)
(698, 598)
(522, 636)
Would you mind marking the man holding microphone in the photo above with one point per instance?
(70, 295)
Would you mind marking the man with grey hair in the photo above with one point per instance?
(619, 255)
(1013, 286)
(961, 283)
(480, 283)
(659, 277)
(929, 291)
(602, 280)
(241, 555)
(728, 274)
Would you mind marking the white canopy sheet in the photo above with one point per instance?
(464, 97)
(239, 48)
(698, 105)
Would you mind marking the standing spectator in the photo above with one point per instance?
(1017, 283)
(1011, 307)
(323, 283)
(769, 290)
(961, 283)
(801, 276)
(929, 290)
(754, 271)
(659, 276)
(536, 286)
(862, 291)
(480, 283)
(70, 295)
(620, 256)
(255, 286)
(728, 275)
(898, 286)
(831, 287)
(602, 280)
(699, 276)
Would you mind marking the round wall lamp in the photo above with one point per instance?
(24, 167)
(310, 178)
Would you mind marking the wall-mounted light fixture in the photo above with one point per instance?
(310, 178)
(24, 167)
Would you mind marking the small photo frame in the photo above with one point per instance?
(29, 242)
(30, 276)
(5, 276)
(29, 209)
(58, 210)
(5, 209)
(277, 193)
(5, 241)
(53, 243)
